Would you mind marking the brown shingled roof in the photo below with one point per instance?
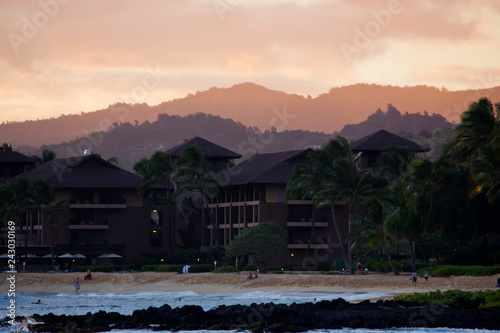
(270, 168)
(213, 150)
(89, 171)
(14, 157)
(383, 139)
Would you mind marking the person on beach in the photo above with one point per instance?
(414, 278)
(359, 267)
(77, 285)
(255, 276)
(37, 302)
(89, 275)
(250, 277)
(498, 283)
(426, 276)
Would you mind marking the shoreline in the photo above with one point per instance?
(235, 283)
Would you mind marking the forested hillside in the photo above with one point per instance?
(255, 105)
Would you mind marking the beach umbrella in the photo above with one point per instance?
(79, 256)
(105, 255)
(49, 256)
(5, 255)
(31, 255)
(66, 255)
(114, 255)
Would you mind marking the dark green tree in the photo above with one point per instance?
(260, 243)
(370, 228)
(196, 176)
(156, 173)
(332, 179)
(47, 155)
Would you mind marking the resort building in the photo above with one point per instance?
(371, 146)
(100, 209)
(97, 210)
(13, 163)
(255, 193)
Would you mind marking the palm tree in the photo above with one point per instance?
(47, 155)
(16, 199)
(345, 182)
(44, 197)
(193, 172)
(303, 184)
(6, 146)
(478, 127)
(333, 178)
(371, 230)
(402, 219)
(392, 163)
(158, 170)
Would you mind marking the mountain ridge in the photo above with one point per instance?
(255, 106)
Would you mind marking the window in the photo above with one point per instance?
(155, 237)
(155, 217)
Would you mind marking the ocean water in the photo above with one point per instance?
(126, 303)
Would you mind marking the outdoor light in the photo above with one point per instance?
(291, 254)
(198, 259)
(162, 259)
(155, 231)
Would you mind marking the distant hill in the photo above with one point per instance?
(395, 122)
(129, 143)
(254, 105)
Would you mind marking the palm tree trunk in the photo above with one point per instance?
(26, 241)
(349, 243)
(389, 257)
(339, 235)
(216, 230)
(312, 232)
(412, 255)
(51, 243)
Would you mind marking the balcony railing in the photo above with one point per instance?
(95, 224)
(304, 246)
(307, 224)
(103, 203)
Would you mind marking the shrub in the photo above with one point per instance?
(225, 269)
(339, 264)
(448, 270)
(323, 266)
(249, 268)
(189, 256)
(138, 263)
(456, 298)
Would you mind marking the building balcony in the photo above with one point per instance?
(299, 202)
(98, 224)
(102, 204)
(307, 224)
(304, 246)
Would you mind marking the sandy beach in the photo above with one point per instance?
(41, 283)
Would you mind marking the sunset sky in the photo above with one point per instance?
(68, 56)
